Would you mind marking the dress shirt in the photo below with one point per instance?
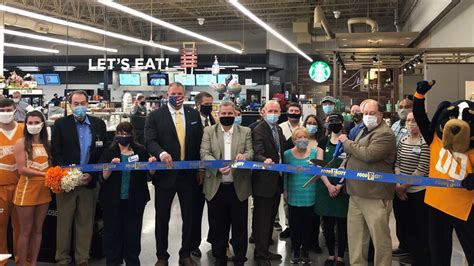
(203, 120)
(227, 151)
(85, 138)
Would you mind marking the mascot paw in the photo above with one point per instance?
(422, 87)
(468, 182)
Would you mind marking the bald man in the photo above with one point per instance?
(370, 203)
(267, 186)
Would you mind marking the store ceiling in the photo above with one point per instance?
(218, 14)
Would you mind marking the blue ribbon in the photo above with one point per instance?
(286, 168)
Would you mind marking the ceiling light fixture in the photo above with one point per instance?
(249, 14)
(28, 68)
(32, 48)
(165, 24)
(55, 40)
(29, 14)
(64, 68)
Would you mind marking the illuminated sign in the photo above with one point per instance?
(319, 71)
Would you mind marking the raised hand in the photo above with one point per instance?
(422, 87)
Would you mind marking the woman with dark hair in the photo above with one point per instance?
(123, 196)
(32, 197)
(316, 131)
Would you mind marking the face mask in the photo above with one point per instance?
(16, 100)
(301, 143)
(403, 113)
(272, 118)
(7, 117)
(370, 121)
(80, 111)
(357, 117)
(142, 103)
(227, 120)
(206, 109)
(124, 141)
(328, 109)
(175, 101)
(336, 128)
(34, 129)
(293, 116)
(238, 120)
(312, 129)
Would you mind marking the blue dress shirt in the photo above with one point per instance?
(85, 138)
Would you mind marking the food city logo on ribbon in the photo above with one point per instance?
(333, 172)
(319, 71)
(128, 64)
(369, 175)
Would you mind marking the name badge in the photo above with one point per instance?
(416, 150)
(133, 158)
(404, 130)
(99, 143)
(343, 155)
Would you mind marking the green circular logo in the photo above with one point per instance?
(319, 71)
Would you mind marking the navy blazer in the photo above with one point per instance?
(65, 148)
(160, 136)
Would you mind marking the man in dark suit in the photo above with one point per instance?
(227, 190)
(267, 186)
(77, 139)
(203, 103)
(174, 133)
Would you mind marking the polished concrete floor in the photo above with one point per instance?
(148, 257)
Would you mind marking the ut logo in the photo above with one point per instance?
(454, 165)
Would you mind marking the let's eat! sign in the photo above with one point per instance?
(128, 64)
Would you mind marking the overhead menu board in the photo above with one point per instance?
(205, 79)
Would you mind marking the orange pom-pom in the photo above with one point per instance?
(53, 178)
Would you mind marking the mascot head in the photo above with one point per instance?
(454, 124)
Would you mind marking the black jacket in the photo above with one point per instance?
(266, 183)
(110, 188)
(65, 148)
(160, 136)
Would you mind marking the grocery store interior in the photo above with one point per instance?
(245, 51)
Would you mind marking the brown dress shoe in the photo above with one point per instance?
(161, 263)
(187, 262)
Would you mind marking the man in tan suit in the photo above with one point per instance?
(370, 203)
(227, 190)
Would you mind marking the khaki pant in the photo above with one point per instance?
(7, 211)
(369, 218)
(76, 207)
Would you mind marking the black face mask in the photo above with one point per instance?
(142, 103)
(124, 141)
(336, 128)
(227, 120)
(293, 116)
(206, 109)
(357, 117)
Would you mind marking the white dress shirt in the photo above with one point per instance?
(227, 152)
(287, 129)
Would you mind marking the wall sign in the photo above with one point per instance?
(127, 63)
(319, 71)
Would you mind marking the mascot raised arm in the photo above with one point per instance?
(450, 134)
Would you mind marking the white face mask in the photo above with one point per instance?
(7, 117)
(34, 129)
(16, 100)
(370, 121)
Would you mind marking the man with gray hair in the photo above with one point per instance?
(21, 107)
(370, 203)
(227, 190)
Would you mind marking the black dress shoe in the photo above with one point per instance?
(285, 233)
(187, 262)
(196, 253)
(296, 258)
(273, 256)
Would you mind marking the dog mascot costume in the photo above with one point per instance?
(450, 135)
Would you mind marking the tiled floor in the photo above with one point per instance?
(282, 246)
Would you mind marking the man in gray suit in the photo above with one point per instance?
(370, 203)
(226, 189)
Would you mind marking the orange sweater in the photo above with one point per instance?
(447, 165)
(8, 168)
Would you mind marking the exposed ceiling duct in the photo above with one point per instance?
(321, 21)
(45, 27)
(374, 26)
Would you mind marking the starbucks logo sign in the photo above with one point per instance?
(319, 71)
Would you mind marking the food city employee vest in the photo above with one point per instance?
(456, 202)
(8, 169)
